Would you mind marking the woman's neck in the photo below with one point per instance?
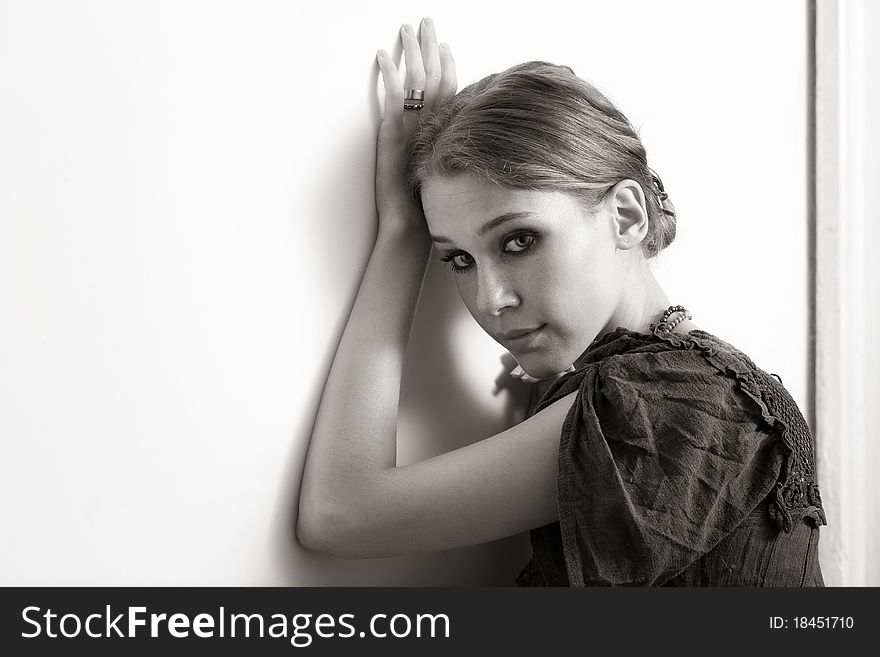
(642, 303)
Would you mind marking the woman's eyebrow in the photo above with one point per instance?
(489, 225)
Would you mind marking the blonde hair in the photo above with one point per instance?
(539, 126)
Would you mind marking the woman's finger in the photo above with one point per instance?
(431, 62)
(415, 69)
(393, 89)
(448, 79)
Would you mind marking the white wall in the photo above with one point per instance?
(870, 83)
(848, 303)
(185, 211)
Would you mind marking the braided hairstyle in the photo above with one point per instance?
(538, 126)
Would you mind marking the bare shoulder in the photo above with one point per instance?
(497, 487)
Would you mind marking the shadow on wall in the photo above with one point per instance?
(448, 412)
(434, 399)
(437, 402)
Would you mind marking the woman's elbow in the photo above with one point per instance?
(313, 534)
(324, 534)
(337, 538)
(308, 537)
(343, 526)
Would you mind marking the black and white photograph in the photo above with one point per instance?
(458, 294)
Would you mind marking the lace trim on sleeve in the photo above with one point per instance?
(796, 494)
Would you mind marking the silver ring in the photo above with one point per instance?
(414, 94)
(413, 106)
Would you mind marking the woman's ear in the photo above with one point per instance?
(629, 213)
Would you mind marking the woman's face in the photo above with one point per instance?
(527, 261)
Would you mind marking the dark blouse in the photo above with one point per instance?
(680, 464)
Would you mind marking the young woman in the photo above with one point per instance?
(653, 453)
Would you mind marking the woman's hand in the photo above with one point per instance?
(429, 66)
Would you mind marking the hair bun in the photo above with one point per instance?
(665, 204)
(538, 126)
(663, 232)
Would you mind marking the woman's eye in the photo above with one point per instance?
(461, 262)
(458, 262)
(520, 242)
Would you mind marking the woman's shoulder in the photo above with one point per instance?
(661, 390)
(663, 349)
(697, 361)
(646, 364)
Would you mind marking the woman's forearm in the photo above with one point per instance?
(355, 432)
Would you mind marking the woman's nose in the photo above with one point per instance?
(494, 292)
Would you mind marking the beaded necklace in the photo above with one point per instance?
(666, 324)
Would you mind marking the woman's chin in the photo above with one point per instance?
(541, 369)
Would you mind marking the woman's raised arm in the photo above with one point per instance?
(354, 501)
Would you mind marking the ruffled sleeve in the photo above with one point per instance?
(661, 456)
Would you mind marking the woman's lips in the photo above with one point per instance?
(524, 341)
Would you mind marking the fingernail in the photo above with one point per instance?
(407, 28)
(379, 54)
